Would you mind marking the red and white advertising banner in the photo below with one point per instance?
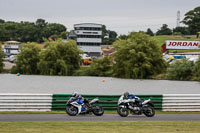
(182, 44)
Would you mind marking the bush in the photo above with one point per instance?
(59, 58)
(101, 67)
(1, 59)
(138, 57)
(197, 69)
(83, 71)
(28, 58)
(180, 70)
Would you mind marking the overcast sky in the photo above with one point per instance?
(122, 16)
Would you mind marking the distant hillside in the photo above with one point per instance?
(161, 39)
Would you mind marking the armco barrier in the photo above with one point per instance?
(181, 102)
(109, 102)
(57, 102)
(25, 102)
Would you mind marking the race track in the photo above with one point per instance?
(38, 84)
(105, 117)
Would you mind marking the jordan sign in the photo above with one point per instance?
(182, 44)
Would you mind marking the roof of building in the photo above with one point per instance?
(11, 42)
(88, 24)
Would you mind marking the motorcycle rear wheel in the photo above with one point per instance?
(149, 111)
(123, 112)
(71, 110)
(98, 111)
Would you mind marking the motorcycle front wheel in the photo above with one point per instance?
(149, 111)
(98, 111)
(71, 110)
(123, 112)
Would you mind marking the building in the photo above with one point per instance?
(88, 37)
(11, 47)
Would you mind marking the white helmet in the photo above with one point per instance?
(75, 94)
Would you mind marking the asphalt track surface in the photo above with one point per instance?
(38, 84)
(105, 117)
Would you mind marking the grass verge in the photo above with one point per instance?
(97, 127)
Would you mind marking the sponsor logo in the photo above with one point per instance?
(182, 44)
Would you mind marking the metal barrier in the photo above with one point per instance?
(57, 102)
(181, 102)
(109, 102)
(25, 102)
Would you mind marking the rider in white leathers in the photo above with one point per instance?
(126, 98)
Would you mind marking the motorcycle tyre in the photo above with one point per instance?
(119, 112)
(97, 113)
(68, 112)
(152, 110)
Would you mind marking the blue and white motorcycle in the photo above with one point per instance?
(83, 106)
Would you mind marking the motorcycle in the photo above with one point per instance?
(136, 107)
(73, 107)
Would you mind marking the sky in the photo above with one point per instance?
(122, 16)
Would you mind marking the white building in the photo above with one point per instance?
(88, 37)
(11, 47)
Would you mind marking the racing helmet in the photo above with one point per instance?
(75, 94)
(126, 94)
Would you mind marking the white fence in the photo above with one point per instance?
(43, 102)
(25, 102)
(181, 102)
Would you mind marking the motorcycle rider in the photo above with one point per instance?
(132, 98)
(80, 100)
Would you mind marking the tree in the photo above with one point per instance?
(180, 70)
(28, 58)
(138, 57)
(150, 32)
(1, 59)
(101, 67)
(197, 69)
(104, 32)
(164, 30)
(53, 29)
(31, 32)
(28, 32)
(182, 30)
(41, 24)
(123, 37)
(108, 36)
(192, 20)
(4, 35)
(112, 34)
(2, 21)
(59, 58)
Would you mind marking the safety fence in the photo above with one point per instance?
(109, 102)
(181, 102)
(57, 102)
(25, 102)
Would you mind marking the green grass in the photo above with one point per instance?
(97, 127)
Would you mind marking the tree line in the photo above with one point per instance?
(36, 31)
(40, 30)
(25, 31)
(137, 57)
